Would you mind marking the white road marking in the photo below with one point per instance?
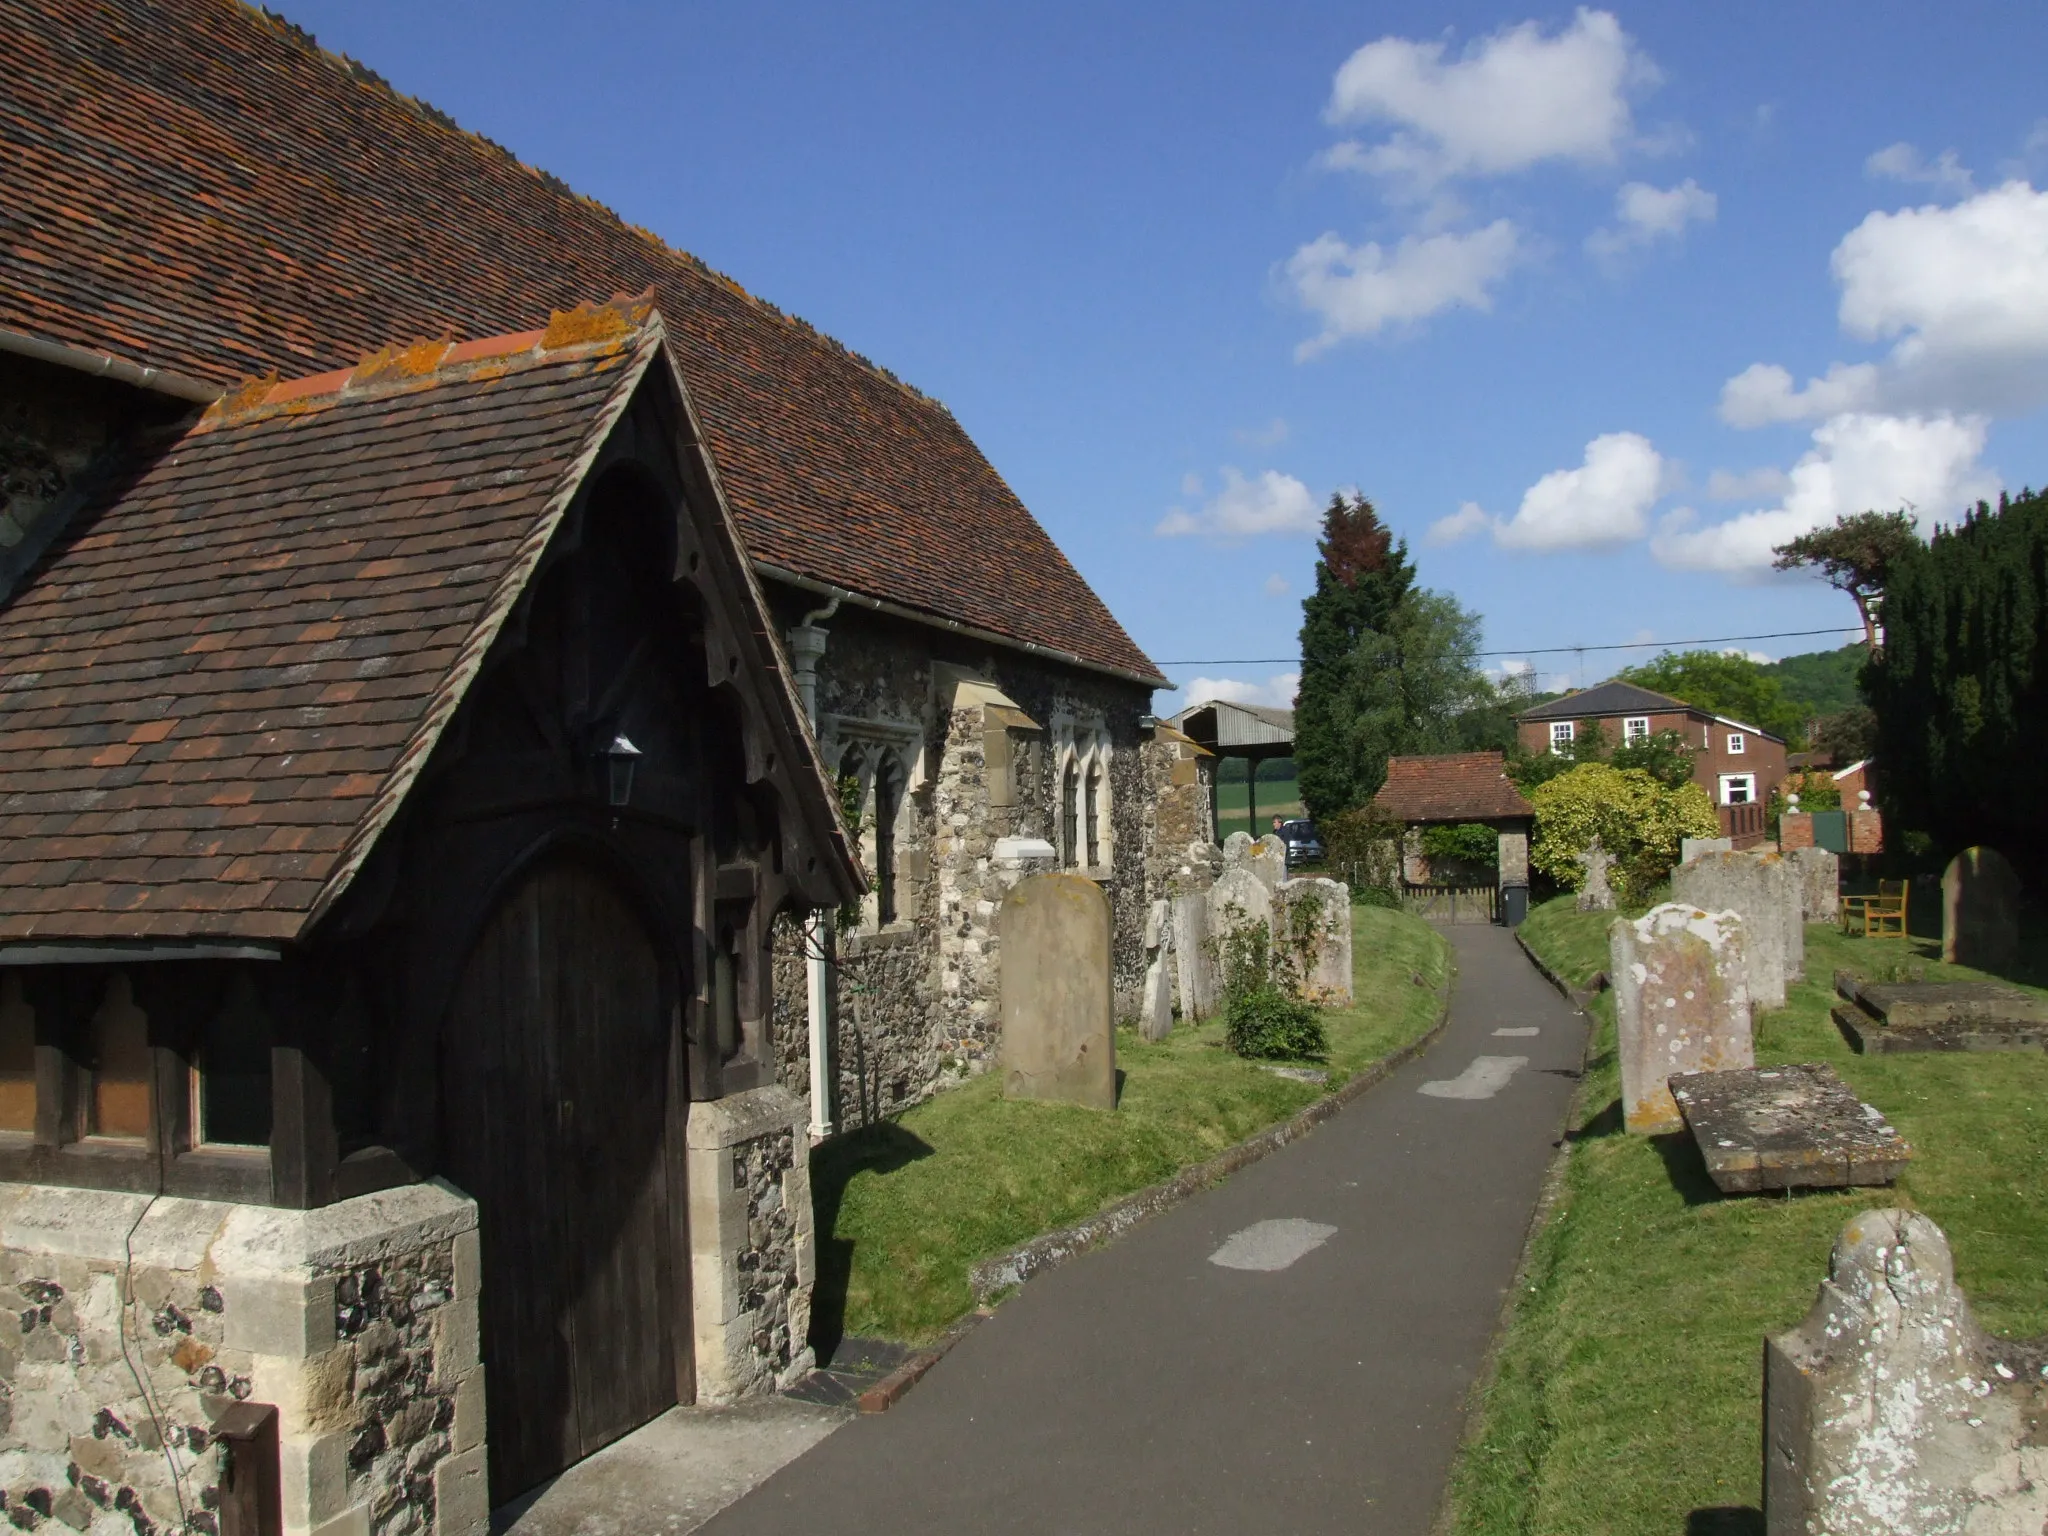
(1272, 1245)
(1482, 1080)
(1519, 1034)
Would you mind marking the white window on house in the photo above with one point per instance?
(1561, 734)
(1735, 744)
(1738, 788)
(1635, 728)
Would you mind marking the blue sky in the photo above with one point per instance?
(1595, 305)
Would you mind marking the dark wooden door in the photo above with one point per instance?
(556, 1086)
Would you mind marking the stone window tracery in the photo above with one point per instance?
(1083, 824)
(876, 770)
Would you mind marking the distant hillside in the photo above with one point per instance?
(1821, 682)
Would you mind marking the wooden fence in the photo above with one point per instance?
(1743, 824)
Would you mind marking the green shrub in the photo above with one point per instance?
(1376, 896)
(1639, 821)
(1262, 1023)
(1468, 842)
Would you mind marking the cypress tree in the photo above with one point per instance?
(1960, 686)
(1362, 578)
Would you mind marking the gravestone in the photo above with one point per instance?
(1236, 849)
(1055, 964)
(1595, 894)
(1888, 1411)
(1980, 911)
(1795, 1127)
(1764, 890)
(1820, 883)
(1315, 920)
(1266, 857)
(1155, 1013)
(1239, 900)
(1194, 959)
(1690, 848)
(1879, 1017)
(1681, 1004)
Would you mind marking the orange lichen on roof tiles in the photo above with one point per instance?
(588, 324)
(403, 362)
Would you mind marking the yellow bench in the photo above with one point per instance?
(1882, 916)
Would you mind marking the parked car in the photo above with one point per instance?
(1303, 846)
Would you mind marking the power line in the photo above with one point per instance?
(1549, 650)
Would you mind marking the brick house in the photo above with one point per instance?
(1735, 763)
(416, 592)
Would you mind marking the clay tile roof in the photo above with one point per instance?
(222, 678)
(1608, 698)
(1451, 786)
(193, 186)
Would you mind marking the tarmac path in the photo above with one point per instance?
(1288, 1352)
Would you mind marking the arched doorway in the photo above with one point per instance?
(556, 1092)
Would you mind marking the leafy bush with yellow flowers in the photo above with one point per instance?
(1639, 821)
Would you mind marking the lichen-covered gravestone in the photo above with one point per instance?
(1194, 958)
(1055, 962)
(1265, 857)
(1681, 1004)
(1314, 922)
(1820, 883)
(1764, 889)
(1595, 894)
(1980, 911)
(1155, 1014)
(1690, 848)
(1888, 1412)
(1239, 900)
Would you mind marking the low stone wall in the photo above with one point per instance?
(143, 1319)
(753, 1246)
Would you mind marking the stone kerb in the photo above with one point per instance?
(1239, 900)
(358, 1321)
(1681, 1004)
(1820, 883)
(1888, 1411)
(1980, 911)
(1315, 917)
(1765, 892)
(1055, 965)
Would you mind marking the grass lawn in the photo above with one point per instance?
(1277, 797)
(905, 1207)
(1628, 1397)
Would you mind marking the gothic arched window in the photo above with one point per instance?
(1070, 816)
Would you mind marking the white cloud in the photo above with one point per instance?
(1276, 692)
(1859, 462)
(1276, 585)
(1271, 435)
(1470, 518)
(1748, 485)
(1244, 508)
(1903, 162)
(1606, 500)
(1511, 100)
(1961, 291)
(1359, 290)
(1644, 214)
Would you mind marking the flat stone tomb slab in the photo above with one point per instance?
(1796, 1127)
(1877, 1017)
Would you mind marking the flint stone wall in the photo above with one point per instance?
(1980, 911)
(1888, 1412)
(1765, 891)
(358, 1321)
(1681, 1004)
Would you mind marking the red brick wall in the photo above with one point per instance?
(1709, 738)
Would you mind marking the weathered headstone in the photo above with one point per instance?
(1690, 848)
(1681, 1004)
(1236, 849)
(1792, 1127)
(1879, 1017)
(1765, 891)
(1239, 900)
(1055, 963)
(1155, 1013)
(1820, 883)
(1194, 959)
(1595, 894)
(1888, 1412)
(1314, 924)
(1980, 911)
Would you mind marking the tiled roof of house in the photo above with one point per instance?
(193, 187)
(1604, 699)
(220, 683)
(1451, 786)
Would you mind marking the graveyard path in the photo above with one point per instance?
(1299, 1386)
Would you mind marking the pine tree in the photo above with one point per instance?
(1363, 576)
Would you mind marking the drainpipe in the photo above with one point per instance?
(806, 649)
